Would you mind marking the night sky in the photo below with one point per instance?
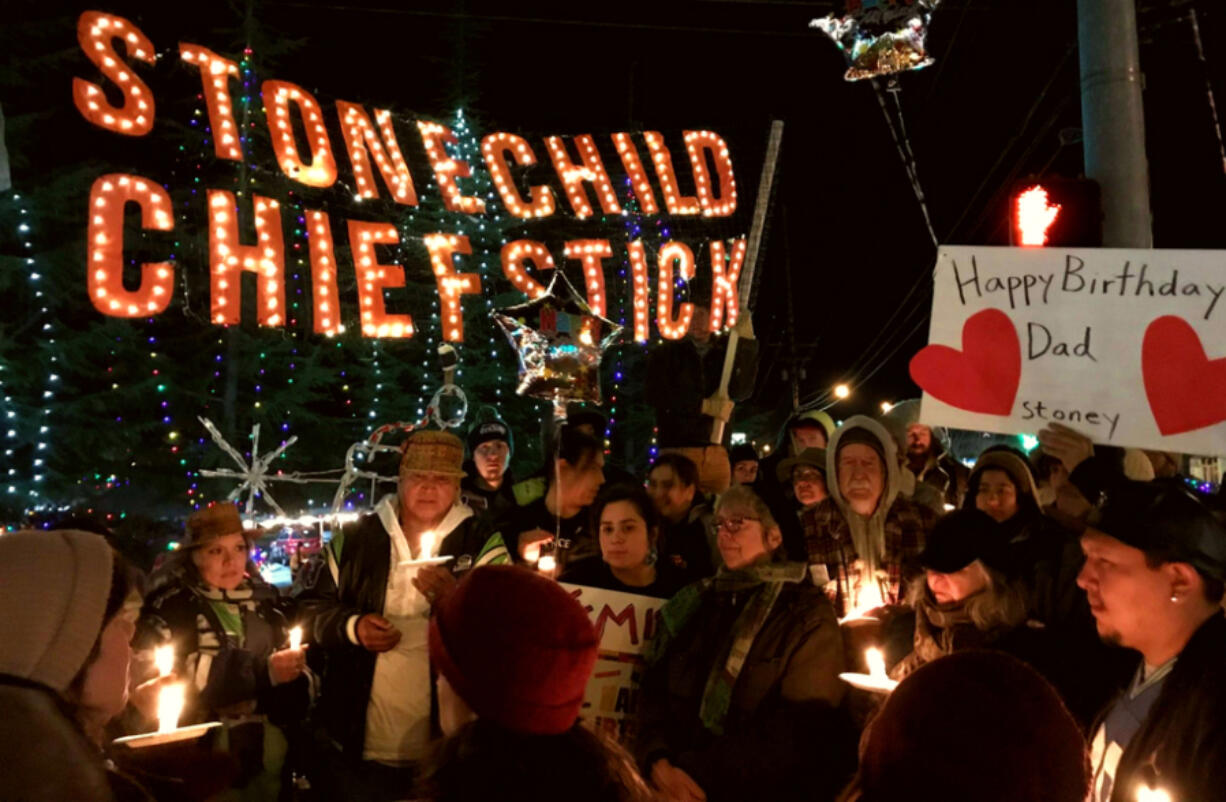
(1001, 103)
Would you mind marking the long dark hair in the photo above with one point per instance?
(483, 761)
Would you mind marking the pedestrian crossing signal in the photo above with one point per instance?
(1059, 212)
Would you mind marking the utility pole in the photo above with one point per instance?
(1113, 119)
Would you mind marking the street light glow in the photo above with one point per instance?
(886, 406)
(841, 391)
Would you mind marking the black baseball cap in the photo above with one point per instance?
(1164, 516)
(962, 537)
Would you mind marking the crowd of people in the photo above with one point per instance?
(1055, 622)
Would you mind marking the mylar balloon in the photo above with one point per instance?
(881, 37)
(560, 342)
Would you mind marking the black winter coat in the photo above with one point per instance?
(332, 590)
(679, 378)
(1182, 745)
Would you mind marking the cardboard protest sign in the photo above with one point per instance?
(1126, 346)
(625, 623)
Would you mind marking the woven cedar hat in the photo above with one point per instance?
(434, 452)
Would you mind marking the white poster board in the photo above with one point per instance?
(1126, 346)
(625, 623)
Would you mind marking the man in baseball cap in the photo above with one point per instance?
(487, 481)
(1154, 575)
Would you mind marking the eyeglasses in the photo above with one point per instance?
(732, 525)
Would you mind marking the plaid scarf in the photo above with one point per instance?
(764, 583)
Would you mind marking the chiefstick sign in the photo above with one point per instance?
(305, 154)
(1126, 346)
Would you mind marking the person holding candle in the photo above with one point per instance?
(741, 698)
(229, 630)
(629, 532)
(864, 540)
(68, 607)
(366, 609)
(551, 510)
(1155, 577)
(967, 600)
(507, 738)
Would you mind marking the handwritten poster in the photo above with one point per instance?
(1126, 346)
(624, 622)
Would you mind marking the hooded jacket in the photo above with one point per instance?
(865, 561)
(942, 473)
(776, 494)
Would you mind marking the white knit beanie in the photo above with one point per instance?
(53, 592)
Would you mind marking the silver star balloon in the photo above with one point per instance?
(881, 37)
(560, 342)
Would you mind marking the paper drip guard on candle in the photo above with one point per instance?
(876, 681)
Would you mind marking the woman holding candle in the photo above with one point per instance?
(68, 605)
(967, 600)
(741, 698)
(628, 529)
(230, 633)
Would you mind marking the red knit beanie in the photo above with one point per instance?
(516, 647)
(971, 726)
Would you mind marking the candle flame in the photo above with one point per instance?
(426, 545)
(547, 564)
(295, 638)
(876, 663)
(532, 552)
(1147, 794)
(164, 659)
(170, 706)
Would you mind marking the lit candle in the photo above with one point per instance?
(876, 663)
(1147, 794)
(164, 659)
(426, 546)
(546, 564)
(532, 552)
(170, 706)
(295, 638)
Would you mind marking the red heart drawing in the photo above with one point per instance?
(984, 375)
(1186, 389)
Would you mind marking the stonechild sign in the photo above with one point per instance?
(1126, 346)
(120, 98)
